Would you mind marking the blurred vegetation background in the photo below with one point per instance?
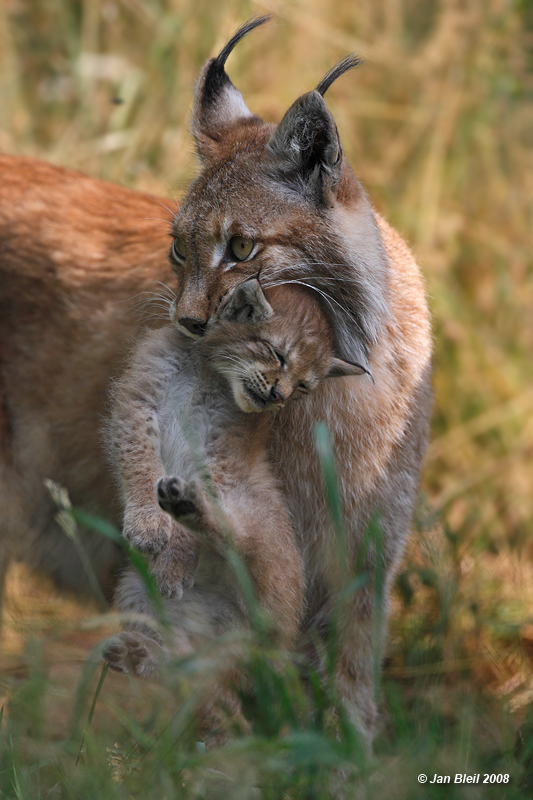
(438, 125)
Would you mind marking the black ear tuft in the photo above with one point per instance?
(349, 62)
(217, 102)
(215, 74)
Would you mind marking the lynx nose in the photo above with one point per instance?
(276, 396)
(192, 327)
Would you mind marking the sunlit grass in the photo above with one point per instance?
(438, 124)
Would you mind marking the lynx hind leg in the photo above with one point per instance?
(175, 567)
(134, 653)
(174, 549)
(220, 713)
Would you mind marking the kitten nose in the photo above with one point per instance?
(276, 396)
(196, 327)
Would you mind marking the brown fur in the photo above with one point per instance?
(72, 248)
(75, 253)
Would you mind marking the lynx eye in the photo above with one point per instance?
(178, 250)
(240, 247)
(303, 388)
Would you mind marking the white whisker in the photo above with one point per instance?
(152, 305)
(168, 288)
(158, 219)
(163, 205)
(173, 195)
(327, 298)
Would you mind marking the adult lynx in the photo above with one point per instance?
(206, 409)
(281, 198)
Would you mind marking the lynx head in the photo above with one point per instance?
(271, 349)
(281, 200)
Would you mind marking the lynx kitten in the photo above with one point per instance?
(188, 410)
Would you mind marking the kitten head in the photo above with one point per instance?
(271, 348)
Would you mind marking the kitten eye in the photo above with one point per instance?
(280, 357)
(178, 250)
(241, 247)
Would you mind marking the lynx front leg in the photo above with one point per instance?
(359, 661)
(146, 527)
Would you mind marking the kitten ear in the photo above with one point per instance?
(247, 304)
(342, 369)
(217, 103)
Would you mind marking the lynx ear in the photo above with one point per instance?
(247, 304)
(218, 104)
(342, 369)
(306, 150)
(306, 146)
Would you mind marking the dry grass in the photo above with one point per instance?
(439, 126)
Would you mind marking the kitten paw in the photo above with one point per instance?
(147, 529)
(130, 652)
(177, 497)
